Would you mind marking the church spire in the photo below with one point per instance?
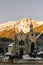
(31, 22)
(31, 25)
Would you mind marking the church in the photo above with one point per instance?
(23, 43)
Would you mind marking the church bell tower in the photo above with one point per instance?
(32, 37)
(31, 29)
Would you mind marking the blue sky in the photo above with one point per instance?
(18, 9)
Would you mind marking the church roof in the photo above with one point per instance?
(20, 32)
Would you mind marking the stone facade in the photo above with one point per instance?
(24, 43)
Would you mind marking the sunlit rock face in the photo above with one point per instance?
(10, 28)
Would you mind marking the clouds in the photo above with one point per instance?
(17, 9)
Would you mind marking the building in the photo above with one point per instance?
(23, 43)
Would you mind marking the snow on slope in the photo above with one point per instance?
(20, 24)
(10, 28)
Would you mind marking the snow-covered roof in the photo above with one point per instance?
(11, 44)
(8, 53)
(40, 52)
(39, 35)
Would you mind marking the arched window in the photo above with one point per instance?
(32, 34)
(21, 42)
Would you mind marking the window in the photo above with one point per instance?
(32, 34)
(21, 34)
(21, 42)
(27, 36)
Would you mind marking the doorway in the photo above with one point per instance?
(21, 52)
(32, 47)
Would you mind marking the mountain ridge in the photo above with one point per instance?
(9, 29)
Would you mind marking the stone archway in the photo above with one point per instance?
(21, 51)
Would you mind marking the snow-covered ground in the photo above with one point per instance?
(31, 58)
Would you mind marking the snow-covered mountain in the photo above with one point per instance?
(10, 28)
